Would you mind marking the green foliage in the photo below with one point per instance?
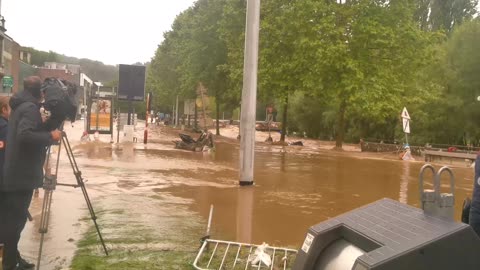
(444, 15)
(40, 57)
(96, 70)
(342, 69)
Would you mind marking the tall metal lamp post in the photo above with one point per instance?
(249, 93)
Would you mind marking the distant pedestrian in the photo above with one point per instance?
(25, 153)
(85, 137)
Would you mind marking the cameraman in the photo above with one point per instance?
(27, 139)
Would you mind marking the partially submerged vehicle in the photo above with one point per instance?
(202, 144)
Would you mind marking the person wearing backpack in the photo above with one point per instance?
(25, 154)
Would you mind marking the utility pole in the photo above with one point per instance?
(147, 114)
(176, 113)
(249, 93)
(86, 107)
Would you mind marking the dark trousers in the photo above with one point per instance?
(474, 218)
(13, 217)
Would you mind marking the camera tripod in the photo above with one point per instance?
(50, 183)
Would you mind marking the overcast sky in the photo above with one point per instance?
(111, 31)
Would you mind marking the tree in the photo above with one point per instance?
(362, 57)
(444, 15)
(346, 67)
(232, 33)
(193, 53)
(447, 14)
(208, 52)
(463, 58)
(166, 77)
(281, 66)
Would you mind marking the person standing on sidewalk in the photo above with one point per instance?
(23, 169)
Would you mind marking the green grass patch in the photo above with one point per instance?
(141, 239)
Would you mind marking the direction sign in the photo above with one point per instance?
(405, 114)
(406, 125)
(7, 82)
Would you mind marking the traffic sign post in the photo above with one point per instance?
(406, 123)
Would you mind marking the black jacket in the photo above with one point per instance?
(476, 187)
(27, 141)
(3, 140)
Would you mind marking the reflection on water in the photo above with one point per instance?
(405, 178)
(245, 197)
(294, 191)
(295, 188)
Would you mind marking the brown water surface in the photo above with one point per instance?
(295, 188)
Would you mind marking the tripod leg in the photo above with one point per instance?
(81, 184)
(49, 185)
(44, 221)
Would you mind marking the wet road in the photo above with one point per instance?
(295, 188)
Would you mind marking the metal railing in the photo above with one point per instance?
(235, 255)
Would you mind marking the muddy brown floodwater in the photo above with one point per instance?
(295, 188)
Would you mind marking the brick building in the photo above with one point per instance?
(9, 59)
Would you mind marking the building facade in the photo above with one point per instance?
(9, 61)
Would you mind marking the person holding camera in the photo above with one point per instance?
(27, 139)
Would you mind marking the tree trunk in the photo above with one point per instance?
(217, 103)
(284, 120)
(341, 125)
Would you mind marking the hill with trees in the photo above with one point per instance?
(96, 70)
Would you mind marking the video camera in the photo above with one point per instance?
(60, 101)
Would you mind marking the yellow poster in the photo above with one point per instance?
(100, 116)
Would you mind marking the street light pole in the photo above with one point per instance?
(249, 93)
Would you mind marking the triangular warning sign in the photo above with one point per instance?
(405, 114)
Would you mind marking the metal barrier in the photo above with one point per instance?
(234, 255)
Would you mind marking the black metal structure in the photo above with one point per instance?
(131, 83)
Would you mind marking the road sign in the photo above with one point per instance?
(406, 125)
(7, 82)
(405, 114)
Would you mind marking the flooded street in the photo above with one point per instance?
(159, 194)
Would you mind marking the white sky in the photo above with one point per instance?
(111, 31)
